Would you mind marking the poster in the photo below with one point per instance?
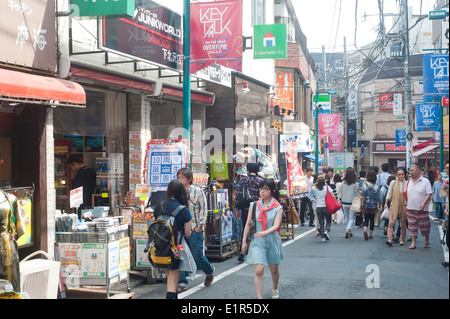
(298, 187)
(24, 204)
(93, 262)
(113, 259)
(70, 258)
(335, 141)
(285, 90)
(124, 254)
(163, 161)
(435, 76)
(218, 30)
(427, 117)
(328, 124)
(141, 257)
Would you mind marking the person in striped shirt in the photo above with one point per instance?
(199, 212)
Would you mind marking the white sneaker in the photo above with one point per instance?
(323, 240)
(275, 294)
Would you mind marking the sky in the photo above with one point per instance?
(326, 22)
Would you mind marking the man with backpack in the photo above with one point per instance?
(199, 212)
(247, 191)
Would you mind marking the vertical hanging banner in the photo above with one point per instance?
(328, 124)
(351, 133)
(335, 141)
(435, 76)
(218, 35)
(298, 187)
(427, 117)
(400, 137)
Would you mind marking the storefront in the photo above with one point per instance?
(386, 151)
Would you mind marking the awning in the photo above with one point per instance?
(313, 158)
(424, 150)
(422, 145)
(20, 87)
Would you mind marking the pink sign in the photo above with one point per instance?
(218, 34)
(335, 142)
(328, 124)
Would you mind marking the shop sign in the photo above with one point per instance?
(328, 124)
(303, 142)
(152, 35)
(215, 73)
(116, 8)
(28, 31)
(388, 146)
(270, 41)
(217, 27)
(400, 137)
(285, 90)
(76, 197)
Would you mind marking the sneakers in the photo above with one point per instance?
(275, 294)
(326, 236)
(241, 257)
(209, 278)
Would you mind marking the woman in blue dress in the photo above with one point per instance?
(265, 247)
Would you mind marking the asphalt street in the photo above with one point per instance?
(340, 268)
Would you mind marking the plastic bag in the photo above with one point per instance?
(385, 214)
(340, 216)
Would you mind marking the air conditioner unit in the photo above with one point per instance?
(39, 278)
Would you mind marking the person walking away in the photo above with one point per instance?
(396, 203)
(305, 201)
(85, 177)
(349, 190)
(176, 196)
(419, 192)
(438, 200)
(251, 182)
(359, 215)
(199, 212)
(370, 203)
(337, 192)
(312, 197)
(383, 201)
(265, 247)
(320, 192)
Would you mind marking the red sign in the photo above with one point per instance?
(335, 142)
(218, 34)
(444, 101)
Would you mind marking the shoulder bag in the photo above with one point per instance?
(332, 204)
(405, 193)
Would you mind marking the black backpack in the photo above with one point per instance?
(163, 238)
(247, 197)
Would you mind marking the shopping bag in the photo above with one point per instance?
(340, 216)
(356, 204)
(332, 204)
(385, 213)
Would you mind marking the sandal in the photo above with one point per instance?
(412, 247)
(427, 245)
(389, 243)
(402, 243)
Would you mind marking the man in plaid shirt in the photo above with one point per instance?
(199, 211)
(251, 181)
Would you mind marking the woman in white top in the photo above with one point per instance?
(320, 191)
(348, 191)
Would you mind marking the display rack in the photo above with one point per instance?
(95, 258)
(218, 230)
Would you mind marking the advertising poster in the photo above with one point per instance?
(218, 30)
(435, 76)
(153, 35)
(285, 90)
(335, 141)
(328, 124)
(113, 256)
(400, 137)
(298, 187)
(70, 257)
(163, 162)
(427, 117)
(93, 262)
(141, 257)
(124, 254)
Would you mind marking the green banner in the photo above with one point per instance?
(111, 8)
(270, 41)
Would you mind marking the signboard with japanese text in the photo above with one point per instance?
(152, 35)
(298, 187)
(217, 27)
(400, 137)
(29, 34)
(389, 100)
(352, 102)
(335, 141)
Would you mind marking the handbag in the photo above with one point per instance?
(356, 204)
(405, 193)
(332, 204)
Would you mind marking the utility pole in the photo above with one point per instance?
(347, 88)
(408, 102)
(186, 74)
